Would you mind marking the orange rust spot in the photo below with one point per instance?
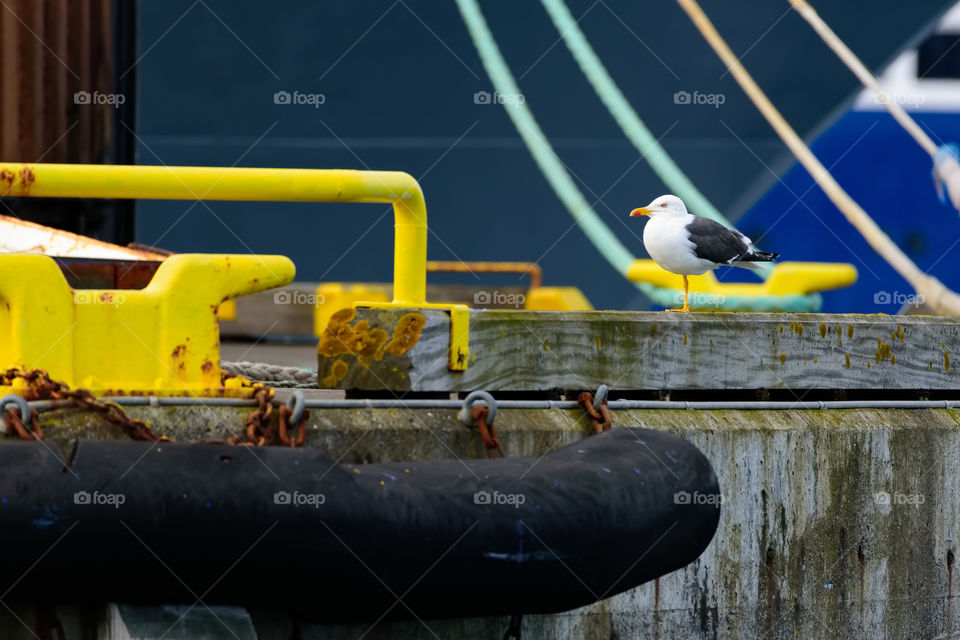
(338, 371)
(405, 334)
(7, 176)
(207, 366)
(179, 350)
(27, 178)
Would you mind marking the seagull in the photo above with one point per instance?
(689, 245)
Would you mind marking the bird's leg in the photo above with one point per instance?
(686, 290)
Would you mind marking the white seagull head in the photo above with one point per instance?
(667, 205)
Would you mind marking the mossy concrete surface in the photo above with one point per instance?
(839, 523)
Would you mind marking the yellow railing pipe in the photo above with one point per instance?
(232, 183)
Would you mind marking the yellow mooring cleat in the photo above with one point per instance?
(786, 279)
(163, 339)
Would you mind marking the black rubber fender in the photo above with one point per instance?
(292, 528)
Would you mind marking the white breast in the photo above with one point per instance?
(667, 241)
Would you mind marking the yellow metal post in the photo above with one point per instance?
(247, 184)
(232, 183)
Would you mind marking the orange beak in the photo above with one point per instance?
(642, 211)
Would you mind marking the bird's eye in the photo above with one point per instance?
(664, 204)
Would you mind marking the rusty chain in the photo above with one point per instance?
(258, 427)
(285, 414)
(599, 415)
(11, 418)
(41, 387)
(479, 415)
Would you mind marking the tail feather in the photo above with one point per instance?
(753, 259)
(759, 256)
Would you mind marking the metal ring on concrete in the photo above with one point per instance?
(297, 402)
(472, 399)
(21, 403)
(600, 395)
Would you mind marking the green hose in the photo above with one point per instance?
(563, 185)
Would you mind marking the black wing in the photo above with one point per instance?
(714, 242)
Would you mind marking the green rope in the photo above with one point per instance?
(630, 123)
(563, 185)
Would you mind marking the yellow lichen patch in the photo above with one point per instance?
(781, 329)
(338, 371)
(847, 357)
(900, 333)
(783, 358)
(405, 334)
(684, 338)
(823, 329)
(850, 332)
(883, 351)
(365, 343)
(946, 361)
(796, 328)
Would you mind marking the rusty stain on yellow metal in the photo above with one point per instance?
(162, 340)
